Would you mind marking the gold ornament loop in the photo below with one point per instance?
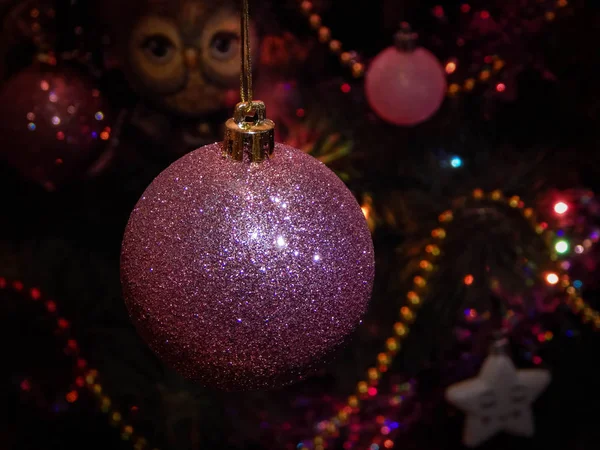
(246, 55)
(405, 40)
(249, 135)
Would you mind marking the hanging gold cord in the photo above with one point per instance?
(246, 72)
(249, 135)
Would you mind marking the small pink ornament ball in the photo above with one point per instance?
(405, 87)
(245, 276)
(54, 124)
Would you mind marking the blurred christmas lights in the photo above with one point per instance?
(456, 162)
(450, 67)
(493, 64)
(561, 208)
(408, 313)
(85, 377)
(561, 247)
(552, 278)
(367, 388)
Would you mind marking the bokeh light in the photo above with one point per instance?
(561, 208)
(456, 162)
(552, 278)
(562, 247)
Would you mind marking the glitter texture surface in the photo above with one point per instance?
(245, 276)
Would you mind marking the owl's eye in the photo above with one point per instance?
(224, 45)
(159, 48)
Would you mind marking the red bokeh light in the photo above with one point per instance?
(35, 294)
(72, 396)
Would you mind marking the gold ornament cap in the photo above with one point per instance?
(405, 39)
(249, 135)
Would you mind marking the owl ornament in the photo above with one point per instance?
(182, 59)
(184, 55)
(499, 398)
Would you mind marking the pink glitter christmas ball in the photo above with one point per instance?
(405, 87)
(246, 276)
